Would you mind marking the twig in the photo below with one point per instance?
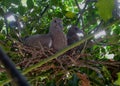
(39, 17)
(80, 11)
(72, 60)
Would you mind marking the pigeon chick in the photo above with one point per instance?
(39, 40)
(55, 37)
(74, 34)
(59, 40)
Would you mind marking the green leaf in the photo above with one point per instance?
(1, 24)
(21, 9)
(70, 14)
(14, 10)
(105, 8)
(16, 1)
(2, 37)
(30, 4)
(106, 73)
(55, 2)
(114, 39)
(52, 83)
(73, 81)
(117, 82)
(1, 12)
(6, 3)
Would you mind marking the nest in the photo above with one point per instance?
(72, 60)
(33, 55)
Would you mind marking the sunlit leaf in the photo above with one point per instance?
(117, 82)
(105, 8)
(70, 14)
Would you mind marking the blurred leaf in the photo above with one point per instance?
(3, 76)
(6, 3)
(52, 83)
(21, 9)
(55, 2)
(117, 82)
(17, 2)
(14, 10)
(1, 12)
(73, 81)
(117, 30)
(1, 24)
(30, 4)
(2, 37)
(114, 39)
(105, 8)
(106, 73)
(70, 14)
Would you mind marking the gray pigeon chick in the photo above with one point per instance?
(55, 37)
(39, 41)
(59, 39)
(74, 34)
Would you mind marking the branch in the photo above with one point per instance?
(80, 11)
(43, 11)
(40, 15)
(12, 71)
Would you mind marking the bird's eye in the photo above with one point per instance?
(76, 28)
(55, 21)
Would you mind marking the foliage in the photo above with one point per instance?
(117, 82)
(93, 66)
(103, 6)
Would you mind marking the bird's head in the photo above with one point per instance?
(56, 23)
